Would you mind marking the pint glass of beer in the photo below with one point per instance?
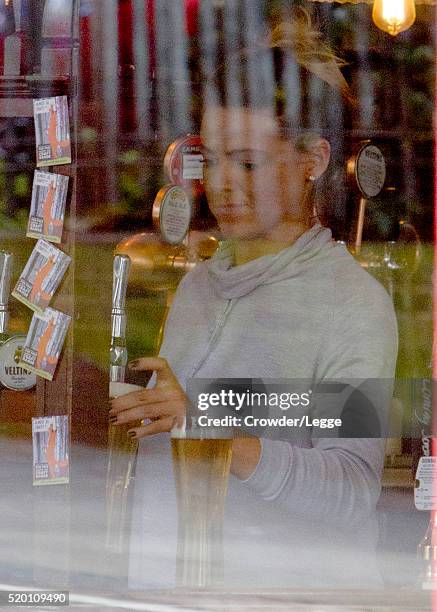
(201, 462)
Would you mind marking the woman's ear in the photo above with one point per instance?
(318, 153)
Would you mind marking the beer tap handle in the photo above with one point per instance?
(118, 353)
(120, 279)
(5, 287)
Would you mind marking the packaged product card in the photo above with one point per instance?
(52, 131)
(49, 195)
(41, 276)
(425, 494)
(51, 442)
(44, 342)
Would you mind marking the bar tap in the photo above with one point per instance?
(5, 285)
(12, 375)
(118, 350)
(121, 448)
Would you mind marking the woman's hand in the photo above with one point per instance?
(164, 405)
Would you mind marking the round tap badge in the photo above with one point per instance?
(183, 161)
(171, 213)
(370, 170)
(12, 375)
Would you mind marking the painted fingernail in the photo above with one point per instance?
(132, 434)
(113, 419)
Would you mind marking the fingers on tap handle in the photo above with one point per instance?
(148, 363)
(157, 364)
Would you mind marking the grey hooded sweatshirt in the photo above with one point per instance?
(307, 312)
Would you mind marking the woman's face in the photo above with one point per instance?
(255, 181)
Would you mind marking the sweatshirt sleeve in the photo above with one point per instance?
(338, 478)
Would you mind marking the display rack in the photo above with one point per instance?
(53, 71)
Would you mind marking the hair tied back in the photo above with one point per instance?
(304, 42)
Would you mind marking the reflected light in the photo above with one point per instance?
(394, 16)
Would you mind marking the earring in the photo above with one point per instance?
(311, 178)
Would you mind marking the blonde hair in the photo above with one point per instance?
(262, 75)
(304, 42)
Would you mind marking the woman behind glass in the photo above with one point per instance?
(280, 300)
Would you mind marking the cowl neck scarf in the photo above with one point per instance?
(231, 281)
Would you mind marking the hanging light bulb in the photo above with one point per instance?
(394, 16)
(391, 16)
